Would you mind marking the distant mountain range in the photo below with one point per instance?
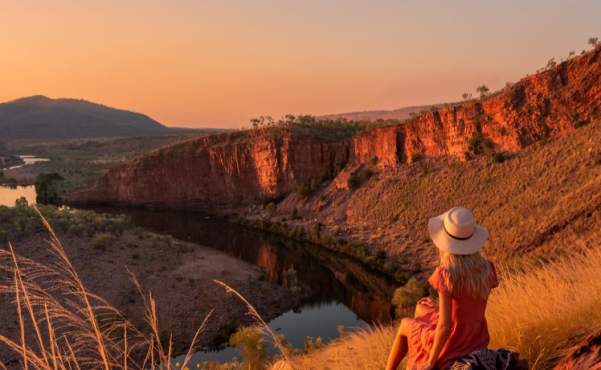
(400, 114)
(40, 117)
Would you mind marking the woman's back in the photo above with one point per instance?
(469, 330)
(455, 326)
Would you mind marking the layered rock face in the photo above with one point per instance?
(547, 104)
(245, 167)
(235, 168)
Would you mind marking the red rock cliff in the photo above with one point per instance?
(244, 167)
(233, 168)
(544, 105)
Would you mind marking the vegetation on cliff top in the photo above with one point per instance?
(334, 129)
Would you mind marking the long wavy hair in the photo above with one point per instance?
(468, 274)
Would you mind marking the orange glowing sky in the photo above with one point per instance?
(211, 63)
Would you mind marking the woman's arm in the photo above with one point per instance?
(398, 350)
(443, 327)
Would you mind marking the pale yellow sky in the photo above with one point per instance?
(220, 63)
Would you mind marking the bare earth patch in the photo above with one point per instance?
(180, 276)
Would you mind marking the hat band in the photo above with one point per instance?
(453, 236)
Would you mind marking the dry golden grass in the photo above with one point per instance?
(361, 350)
(64, 326)
(535, 312)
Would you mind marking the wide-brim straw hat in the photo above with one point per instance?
(457, 232)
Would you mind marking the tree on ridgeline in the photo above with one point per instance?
(483, 90)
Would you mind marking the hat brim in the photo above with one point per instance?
(447, 243)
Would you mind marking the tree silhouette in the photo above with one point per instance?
(483, 90)
(593, 41)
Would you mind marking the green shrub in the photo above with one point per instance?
(354, 181)
(389, 267)
(499, 157)
(251, 344)
(315, 231)
(270, 207)
(102, 240)
(341, 329)
(478, 144)
(416, 157)
(405, 297)
(312, 345)
(308, 187)
(50, 188)
(358, 177)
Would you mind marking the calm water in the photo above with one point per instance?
(8, 195)
(296, 326)
(29, 159)
(339, 290)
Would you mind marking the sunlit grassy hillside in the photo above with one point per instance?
(540, 202)
(536, 311)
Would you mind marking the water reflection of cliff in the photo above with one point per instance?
(323, 275)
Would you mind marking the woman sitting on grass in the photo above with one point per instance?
(456, 326)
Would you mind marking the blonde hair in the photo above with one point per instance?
(469, 274)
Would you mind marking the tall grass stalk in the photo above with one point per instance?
(64, 326)
(537, 311)
(252, 311)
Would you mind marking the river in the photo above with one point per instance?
(341, 291)
(27, 160)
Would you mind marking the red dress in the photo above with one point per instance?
(469, 331)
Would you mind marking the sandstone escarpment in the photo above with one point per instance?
(234, 168)
(245, 167)
(545, 105)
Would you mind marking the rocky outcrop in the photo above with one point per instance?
(246, 167)
(586, 355)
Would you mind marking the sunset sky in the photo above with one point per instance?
(207, 63)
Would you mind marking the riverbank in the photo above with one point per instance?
(179, 274)
(314, 232)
